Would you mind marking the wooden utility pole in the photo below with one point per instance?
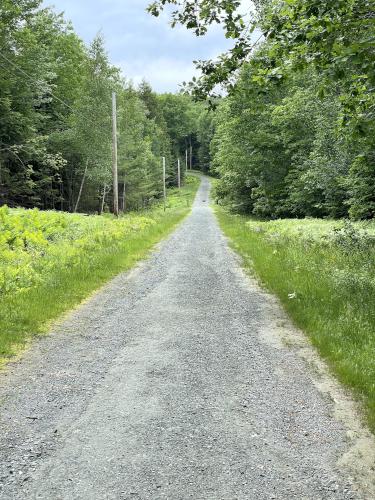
(179, 173)
(164, 186)
(114, 154)
(186, 159)
(191, 156)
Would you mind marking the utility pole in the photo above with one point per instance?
(114, 154)
(191, 156)
(179, 173)
(186, 159)
(164, 186)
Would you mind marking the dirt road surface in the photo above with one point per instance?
(179, 380)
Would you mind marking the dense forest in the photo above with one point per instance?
(55, 119)
(292, 136)
(296, 135)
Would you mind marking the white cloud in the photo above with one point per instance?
(144, 46)
(164, 74)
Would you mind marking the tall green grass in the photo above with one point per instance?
(324, 274)
(50, 261)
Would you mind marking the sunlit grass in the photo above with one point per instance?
(324, 274)
(50, 268)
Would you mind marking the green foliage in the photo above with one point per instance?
(285, 154)
(198, 17)
(297, 137)
(205, 136)
(362, 187)
(29, 42)
(323, 273)
(55, 120)
(330, 35)
(35, 244)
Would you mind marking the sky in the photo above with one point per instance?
(141, 45)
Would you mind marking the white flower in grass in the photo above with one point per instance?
(292, 295)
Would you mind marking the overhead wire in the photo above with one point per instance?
(35, 81)
(39, 83)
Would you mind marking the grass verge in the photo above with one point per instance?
(323, 273)
(50, 261)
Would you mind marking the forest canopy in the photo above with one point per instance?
(295, 136)
(292, 135)
(55, 119)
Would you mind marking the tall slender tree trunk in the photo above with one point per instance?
(81, 187)
(62, 196)
(124, 197)
(103, 198)
(70, 190)
(52, 196)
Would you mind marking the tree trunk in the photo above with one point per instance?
(103, 198)
(52, 196)
(70, 190)
(81, 187)
(62, 196)
(124, 197)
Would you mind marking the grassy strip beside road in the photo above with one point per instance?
(51, 261)
(324, 274)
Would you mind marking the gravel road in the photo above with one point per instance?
(172, 383)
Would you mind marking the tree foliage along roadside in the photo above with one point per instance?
(294, 137)
(296, 134)
(55, 119)
(328, 34)
(284, 154)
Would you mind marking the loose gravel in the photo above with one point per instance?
(171, 383)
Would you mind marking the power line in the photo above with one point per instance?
(35, 81)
